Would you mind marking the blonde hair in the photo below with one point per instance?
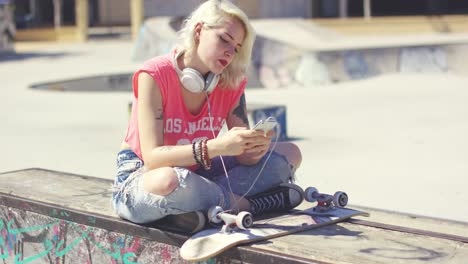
(213, 13)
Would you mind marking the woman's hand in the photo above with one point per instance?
(261, 146)
(237, 141)
(257, 151)
(248, 145)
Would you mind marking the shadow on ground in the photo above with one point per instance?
(13, 56)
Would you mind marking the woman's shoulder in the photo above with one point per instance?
(159, 63)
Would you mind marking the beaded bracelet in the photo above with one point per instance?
(206, 159)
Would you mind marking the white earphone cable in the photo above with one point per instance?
(263, 166)
(224, 166)
(220, 156)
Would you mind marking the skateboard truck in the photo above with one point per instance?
(325, 202)
(243, 220)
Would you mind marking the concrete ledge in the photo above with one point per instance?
(55, 216)
(98, 83)
(65, 33)
(69, 217)
(396, 24)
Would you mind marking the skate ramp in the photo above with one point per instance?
(298, 52)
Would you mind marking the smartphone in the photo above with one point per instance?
(266, 125)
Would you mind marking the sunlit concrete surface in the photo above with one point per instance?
(396, 142)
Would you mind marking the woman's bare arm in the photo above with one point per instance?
(151, 129)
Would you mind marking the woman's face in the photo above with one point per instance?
(217, 46)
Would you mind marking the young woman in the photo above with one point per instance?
(172, 160)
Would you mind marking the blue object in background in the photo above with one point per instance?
(276, 111)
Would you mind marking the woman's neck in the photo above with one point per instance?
(193, 61)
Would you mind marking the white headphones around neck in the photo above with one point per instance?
(192, 80)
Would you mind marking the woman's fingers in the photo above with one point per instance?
(251, 148)
(257, 144)
(251, 141)
(238, 128)
(271, 134)
(254, 154)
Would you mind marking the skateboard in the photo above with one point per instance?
(242, 229)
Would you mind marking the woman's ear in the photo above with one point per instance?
(198, 29)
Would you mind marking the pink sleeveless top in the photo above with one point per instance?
(180, 126)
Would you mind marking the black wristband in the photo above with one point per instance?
(194, 152)
(200, 153)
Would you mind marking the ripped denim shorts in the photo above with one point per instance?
(197, 190)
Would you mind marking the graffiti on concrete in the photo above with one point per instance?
(26, 237)
(278, 64)
(312, 71)
(341, 66)
(274, 63)
(423, 59)
(356, 65)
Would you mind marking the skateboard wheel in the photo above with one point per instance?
(340, 199)
(244, 220)
(310, 192)
(213, 213)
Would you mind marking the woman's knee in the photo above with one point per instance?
(160, 181)
(291, 151)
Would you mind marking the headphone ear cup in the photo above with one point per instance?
(211, 82)
(192, 80)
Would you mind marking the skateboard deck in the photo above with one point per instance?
(211, 242)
